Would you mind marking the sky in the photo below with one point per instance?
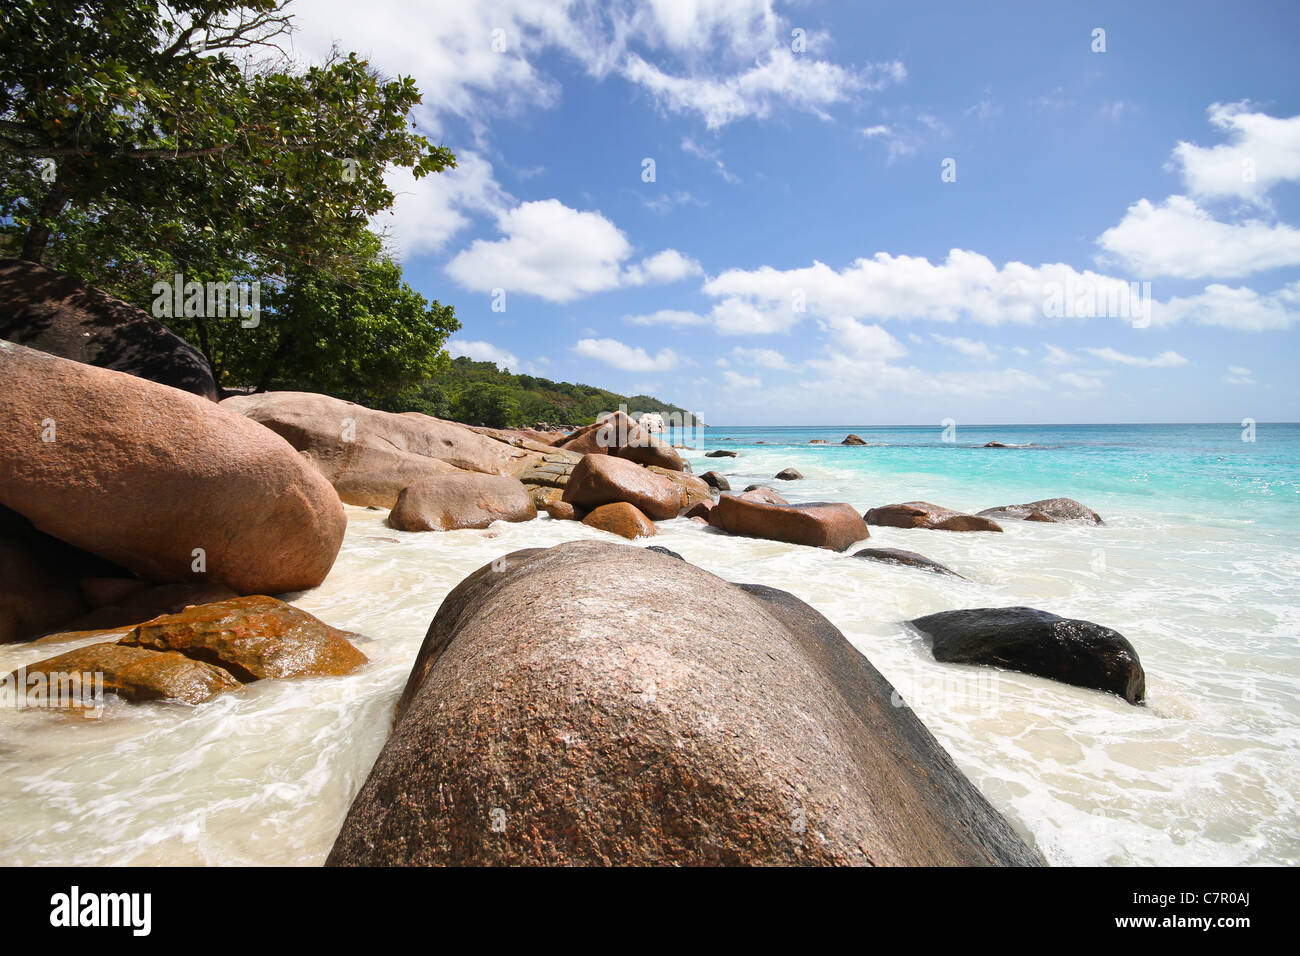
(863, 213)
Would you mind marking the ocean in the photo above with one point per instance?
(1196, 565)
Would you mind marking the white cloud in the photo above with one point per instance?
(626, 357)
(766, 358)
(1169, 359)
(965, 286)
(1241, 308)
(708, 155)
(1058, 356)
(1180, 239)
(481, 351)
(559, 254)
(1084, 383)
(427, 212)
(736, 380)
(667, 317)
(780, 77)
(1238, 375)
(1261, 151)
(967, 347)
(666, 266)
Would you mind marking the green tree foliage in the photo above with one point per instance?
(479, 393)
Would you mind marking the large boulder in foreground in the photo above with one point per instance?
(922, 514)
(602, 479)
(1038, 642)
(57, 313)
(449, 502)
(1046, 509)
(339, 435)
(822, 524)
(692, 722)
(143, 475)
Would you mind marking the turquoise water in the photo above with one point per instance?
(1205, 472)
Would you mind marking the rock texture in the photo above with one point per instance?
(448, 502)
(822, 524)
(602, 479)
(715, 481)
(137, 674)
(622, 519)
(371, 455)
(693, 490)
(789, 474)
(762, 493)
(922, 514)
(142, 474)
(1038, 642)
(209, 649)
(1046, 509)
(690, 721)
(908, 559)
(621, 437)
(720, 453)
(56, 313)
(853, 440)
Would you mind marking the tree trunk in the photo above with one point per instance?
(38, 234)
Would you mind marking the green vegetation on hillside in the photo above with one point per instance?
(479, 393)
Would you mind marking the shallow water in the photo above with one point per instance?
(1196, 565)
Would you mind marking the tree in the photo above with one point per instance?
(133, 141)
(365, 339)
(480, 403)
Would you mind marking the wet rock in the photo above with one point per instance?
(622, 519)
(693, 490)
(660, 549)
(700, 510)
(853, 440)
(762, 493)
(922, 514)
(716, 481)
(789, 474)
(822, 525)
(720, 453)
(1046, 509)
(544, 723)
(135, 674)
(450, 502)
(905, 558)
(1038, 642)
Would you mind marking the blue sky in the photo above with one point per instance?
(800, 256)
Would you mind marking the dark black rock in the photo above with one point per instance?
(1037, 642)
(720, 453)
(662, 550)
(789, 474)
(716, 481)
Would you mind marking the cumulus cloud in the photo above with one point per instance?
(626, 357)
(766, 358)
(667, 317)
(428, 212)
(1242, 309)
(481, 351)
(1261, 152)
(559, 254)
(1178, 238)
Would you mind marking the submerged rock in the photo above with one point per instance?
(699, 723)
(922, 514)
(135, 674)
(449, 502)
(1038, 642)
(622, 519)
(1046, 509)
(821, 525)
(906, 558)
(720, 453)
(853, 440)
